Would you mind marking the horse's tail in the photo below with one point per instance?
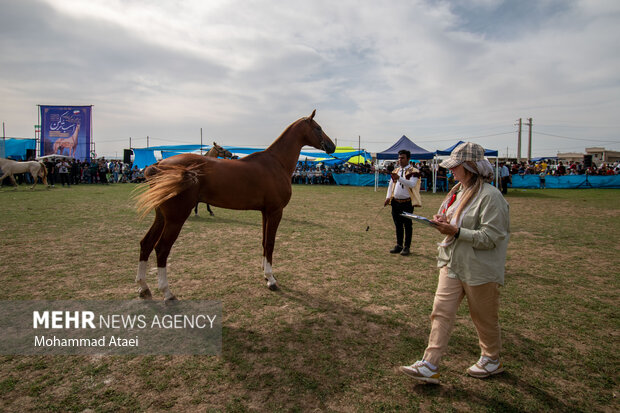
(163, 183)
(44, 169)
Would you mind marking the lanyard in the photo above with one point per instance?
(450, 202)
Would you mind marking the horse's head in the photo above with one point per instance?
(219, 152)
(315, 136)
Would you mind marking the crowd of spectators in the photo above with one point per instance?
(309, 173)
(102, 171)
(563, 168)
(98, 171)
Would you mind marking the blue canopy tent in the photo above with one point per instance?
(405, 143)
(544, 158)
(448, 151)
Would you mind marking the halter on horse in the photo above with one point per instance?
(260, 181)
(218, 152)
(36, 169)
(215, 152)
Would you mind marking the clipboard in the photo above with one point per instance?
(418, 218)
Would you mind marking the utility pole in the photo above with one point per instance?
(519, 142)
(147, 141)
(529, 146)
(201, 141)
(130, 142)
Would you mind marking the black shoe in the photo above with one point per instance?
(405, 252)
(396, 249)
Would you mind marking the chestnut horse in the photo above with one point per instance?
(260, 181)
(216, 151)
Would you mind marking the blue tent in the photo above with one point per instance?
(405, 143)
(448, 151)
(544, 158)
(16, 148)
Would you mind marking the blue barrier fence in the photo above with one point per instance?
(566, 181)
(369, 180)
(518, 181)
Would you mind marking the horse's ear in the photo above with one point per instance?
(214, 144)
(313, 113)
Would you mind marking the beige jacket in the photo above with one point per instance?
(478, 256)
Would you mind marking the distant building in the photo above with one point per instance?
(570, 156)
(602, 155)
(599, 156)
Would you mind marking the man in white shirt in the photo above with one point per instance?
(403, 194)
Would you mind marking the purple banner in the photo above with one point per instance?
(66, 130)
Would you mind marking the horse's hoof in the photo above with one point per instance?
(212, 214)
(146, 294)
(273, 287)
(171, 298)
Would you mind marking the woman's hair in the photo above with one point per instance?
(476, 180)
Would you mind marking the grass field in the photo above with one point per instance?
(348, 312)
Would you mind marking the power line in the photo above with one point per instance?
(576, 139)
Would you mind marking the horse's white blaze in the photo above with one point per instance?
(162, 279)
(141, 277)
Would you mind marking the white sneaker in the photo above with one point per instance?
(485, 367)
(420, 370)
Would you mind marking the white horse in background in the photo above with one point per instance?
(36, 169)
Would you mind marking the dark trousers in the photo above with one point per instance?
(64, 179)
(505, 181)
(403, 225)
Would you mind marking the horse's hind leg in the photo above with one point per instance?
(270, 228)
(209, 209)
(175, 215)
(35, 178)
(146, 246)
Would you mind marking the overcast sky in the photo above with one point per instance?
(436, 71)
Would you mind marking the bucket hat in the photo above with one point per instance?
(467, 151)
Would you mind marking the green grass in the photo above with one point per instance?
(348, 313)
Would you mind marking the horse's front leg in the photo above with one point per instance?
(270, 228)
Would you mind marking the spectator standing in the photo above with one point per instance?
(51, 172)
(504, 174)
(403, 194)
(561, 169)
(63, 172)
(103, 172)
(116, 171)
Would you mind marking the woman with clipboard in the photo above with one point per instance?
(475, 220)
